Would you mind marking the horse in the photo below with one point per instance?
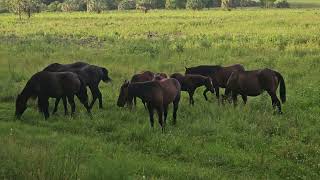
(191, 82)
(157, 94)
(160, 76)
(55, 85)
(254, 83)
(90, 74)
(218, 74)
(142, 77)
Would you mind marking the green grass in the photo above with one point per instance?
(209, 141)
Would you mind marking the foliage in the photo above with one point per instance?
(73, 5)
(127, 5)
(267, 3)
(195, 4)
(24, 6)
(54, 6)
(175, 4)
(281, 4)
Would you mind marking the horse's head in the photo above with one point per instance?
(124, 95)
(105, 75)
(21, 106)
(209, 85)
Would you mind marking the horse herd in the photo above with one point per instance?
(156, 90)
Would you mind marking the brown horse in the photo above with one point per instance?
(157, 94)
(142, 77)
(254, 83)
(191, 82)
(218, 74)
(52, 84)
(160, 76)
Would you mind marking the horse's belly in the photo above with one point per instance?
(251, 90)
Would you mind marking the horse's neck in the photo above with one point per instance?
(28, 90)
(135, 90)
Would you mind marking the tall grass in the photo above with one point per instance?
(209, 141)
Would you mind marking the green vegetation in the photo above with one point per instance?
(304, 3)
(209, 141)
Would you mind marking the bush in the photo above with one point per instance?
(151, 4)
(54, 7)
(175, 4)
(3, 7)
(226, 4)
(127, 5)
(195, 4)
(73, 5)
(281, 4)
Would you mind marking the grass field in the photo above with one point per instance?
(209, 141)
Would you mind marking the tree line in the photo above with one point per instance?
(28, 7)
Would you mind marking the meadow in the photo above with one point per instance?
(209, 141)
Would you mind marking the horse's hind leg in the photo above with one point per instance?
(244, 98)
(275, 101)
(96, 94)
(56, 105)
(175, 108)
(72, 104)
(165, 113)
(64, 100)
(150, 109)
(234, 99)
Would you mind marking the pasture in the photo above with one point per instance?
(209, 141)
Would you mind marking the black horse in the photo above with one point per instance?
(190, 82)
(52, 84)
(90, 74)
(254, 83)
(157, 94)
(218, 74)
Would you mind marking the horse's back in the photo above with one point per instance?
(170, 89)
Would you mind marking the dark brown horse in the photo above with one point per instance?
(190, 82)
(218, 74)
(160, 76)
(254, 83)
(52, 84)
(157, 94)
(90, 74)
(142, 77)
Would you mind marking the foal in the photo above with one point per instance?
(254, 83)
(218, 74)
(52, 84)
(190, 83)
(157, 94)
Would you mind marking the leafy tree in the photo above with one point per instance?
(281, 4)
(127, 4)
(195, 4)
(175, 4)
(54, 6)
(267, 3)
(24, 6)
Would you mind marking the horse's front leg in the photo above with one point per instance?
(245, 99)
(56, 105)
(205, 94)
(234, 98)
(217, 94)
(72, 104)
(160, 116)
(44, 104)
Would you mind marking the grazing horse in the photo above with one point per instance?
(142, 77)
(90, 74)
(218, 74)
(52, 84)
(254, 83)
(190, 82)
(160, 76)
(157, 94)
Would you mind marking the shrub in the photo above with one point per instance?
(127, 5)
(24, 6)
(3, 7)
(73, 5)
(195, 4)
(54, 6)
(281, 4)
(175, 4)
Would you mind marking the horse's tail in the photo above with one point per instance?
(282, 87)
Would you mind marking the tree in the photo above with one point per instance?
(23, 6)
(195, 4)
(175, 4)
